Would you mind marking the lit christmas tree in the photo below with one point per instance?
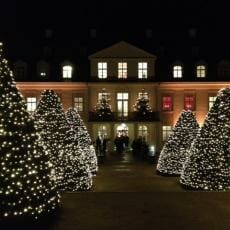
(77, 175)
(142, 107)
(175, 150)
(103, 108)
(51, 122)
(26, 187)
(83, 138)
(208, 165)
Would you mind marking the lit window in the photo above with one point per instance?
(78, 103)
(143, 94)
(142, 70)
(122, 70)
(43, 74)
(189, 103)
(102, 70)
(122, 104)
(67, 71)
(200, 71)
(31, 103)
(102, 131)
(143, 131)
(177, 71)
(211, 101)
(166, 131)
(167, 103)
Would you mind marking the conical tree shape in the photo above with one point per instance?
(26, 188)
(175, 150)
(208, 165)
(51, 123)
(77, 175)
(83, 138)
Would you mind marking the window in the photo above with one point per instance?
(201, 71)
(103, 95)
(189, 103)
(177, 71)
(122, 104)
(143, 131)
(167, 103)
(122, 70)
(166, 131)
(143, 94)
(142, 70)
(122, 130)
(102, 70)
(20, 71)
(78, 103)
(102, 131)
(211, 101)
(43, 68)
(67, 71)
(31, 103)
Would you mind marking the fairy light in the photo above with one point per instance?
(21, 154)
(207, 166)
(81, 134)
(175, 150)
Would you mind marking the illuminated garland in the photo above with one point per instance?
(51, 123)
(26, 187)
(83, 138)
(175, 150)
(208, 165)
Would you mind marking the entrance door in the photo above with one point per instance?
(122, 130)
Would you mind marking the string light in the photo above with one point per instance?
(208, 164)
(175, 150)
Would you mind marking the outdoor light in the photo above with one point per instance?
(152, 150)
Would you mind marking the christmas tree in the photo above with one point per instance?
(85, 143)
(142, 107)
(51, 123)
(26, 187)
(103, 108)
(175, 150)
(77, 175)
(208, 165)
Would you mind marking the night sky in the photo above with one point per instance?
(23, 24)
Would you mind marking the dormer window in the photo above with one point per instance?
(177, 71)
(201, 71)
(67, 72)
(43, 69)
(142, 70)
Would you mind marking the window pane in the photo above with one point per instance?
(102, 70)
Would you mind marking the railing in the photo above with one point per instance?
(131, 116)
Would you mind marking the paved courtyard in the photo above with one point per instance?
(128, 194)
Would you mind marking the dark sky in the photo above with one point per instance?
(23, 23)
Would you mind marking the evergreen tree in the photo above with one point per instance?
(208, 165)
(103, 108)
(175, 150)
(51, 123)
(142, 107)
(83, 138)
(77, 175)
(26, 187)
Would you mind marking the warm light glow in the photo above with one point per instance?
(102, 70)
(177, 71)
(67, 71)
(142, 70)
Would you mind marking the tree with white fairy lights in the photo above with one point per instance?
(26, 186)
(175, 150)
(208, 165)
(51, 122)
(142, 107)
(84, 141)
(77, 175)
(103, 108)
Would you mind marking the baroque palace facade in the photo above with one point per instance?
(122, 73)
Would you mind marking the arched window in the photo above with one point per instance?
(200, 71)
(67, 71)
(122, 130)
(177, 71)
(143, 132)
(43, 69)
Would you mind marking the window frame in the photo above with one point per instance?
(193, 102)
(177, 71)
(163, 107)
(79, 105)
(122, 70)
(32, 104)
(142, 70)
(67, 71)
(102, 70)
